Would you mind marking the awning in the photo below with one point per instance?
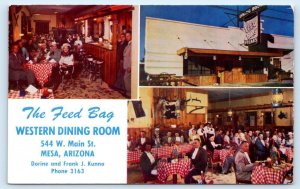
(196, 51)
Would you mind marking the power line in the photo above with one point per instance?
(266, 16)
(284, 12)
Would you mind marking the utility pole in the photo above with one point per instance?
(237, 17)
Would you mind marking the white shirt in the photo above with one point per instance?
(227, 139)
(190, 131)
(143, 140)
(199, 131)
(150, 156)
(69, 60)
(178, 139)
(263, 142)
(195, 153)
(247, 156)
(78, 42)
(211, 131)
(214, 144)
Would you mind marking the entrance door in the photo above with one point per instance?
(42, 27)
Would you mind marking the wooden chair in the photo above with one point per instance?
(212, 162)
(239, 181)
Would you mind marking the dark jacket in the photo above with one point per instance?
(145, 164)
(200, 161)
(16, 62)
(261, 150)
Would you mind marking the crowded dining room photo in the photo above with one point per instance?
(211, 136)
(72, 51)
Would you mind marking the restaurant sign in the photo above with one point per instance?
(251, 18)
(252, 31)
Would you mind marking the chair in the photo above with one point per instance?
(95, 71)
(212, 162)
(66, 71)
(238, 181)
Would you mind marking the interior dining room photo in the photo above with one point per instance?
(73, 51)
(211, 136)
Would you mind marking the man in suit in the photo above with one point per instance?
(148, 163)
(119, 84)
(199, 162)
(127, 65)
(243, 163)
(142, 141)
(168, 139)
(16, 69)
(261, 148)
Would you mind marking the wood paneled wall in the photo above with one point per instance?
(202, 80)
(173, 94)
(135, 132)
(110, 66)
(109, 70)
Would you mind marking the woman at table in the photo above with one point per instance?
(226, 138)
(211, 145)
(194, 136)
(66, 61)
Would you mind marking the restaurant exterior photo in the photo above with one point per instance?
(225, 46)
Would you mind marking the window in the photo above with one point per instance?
(253, 66)
(199, 66)
(277, 63)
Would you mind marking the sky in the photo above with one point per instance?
(277, 19)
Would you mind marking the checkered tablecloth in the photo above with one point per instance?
(166, 151)
(42, 71)
(165, 169)
(133, 156)
(221, 154)
(185, 148)
(37, 95)
(265, 175)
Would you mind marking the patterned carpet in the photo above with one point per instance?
(83, 88)
(134, 176)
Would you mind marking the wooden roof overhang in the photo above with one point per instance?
(198, 51)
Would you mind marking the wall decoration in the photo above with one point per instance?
(196, 103)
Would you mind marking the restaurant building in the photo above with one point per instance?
(206, 55)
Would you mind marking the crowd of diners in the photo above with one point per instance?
(44, 48)
(61, 51)
(248, 148)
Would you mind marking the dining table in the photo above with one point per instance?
(269, 175)
(15, 94)
(177, 166)
(42, 71)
